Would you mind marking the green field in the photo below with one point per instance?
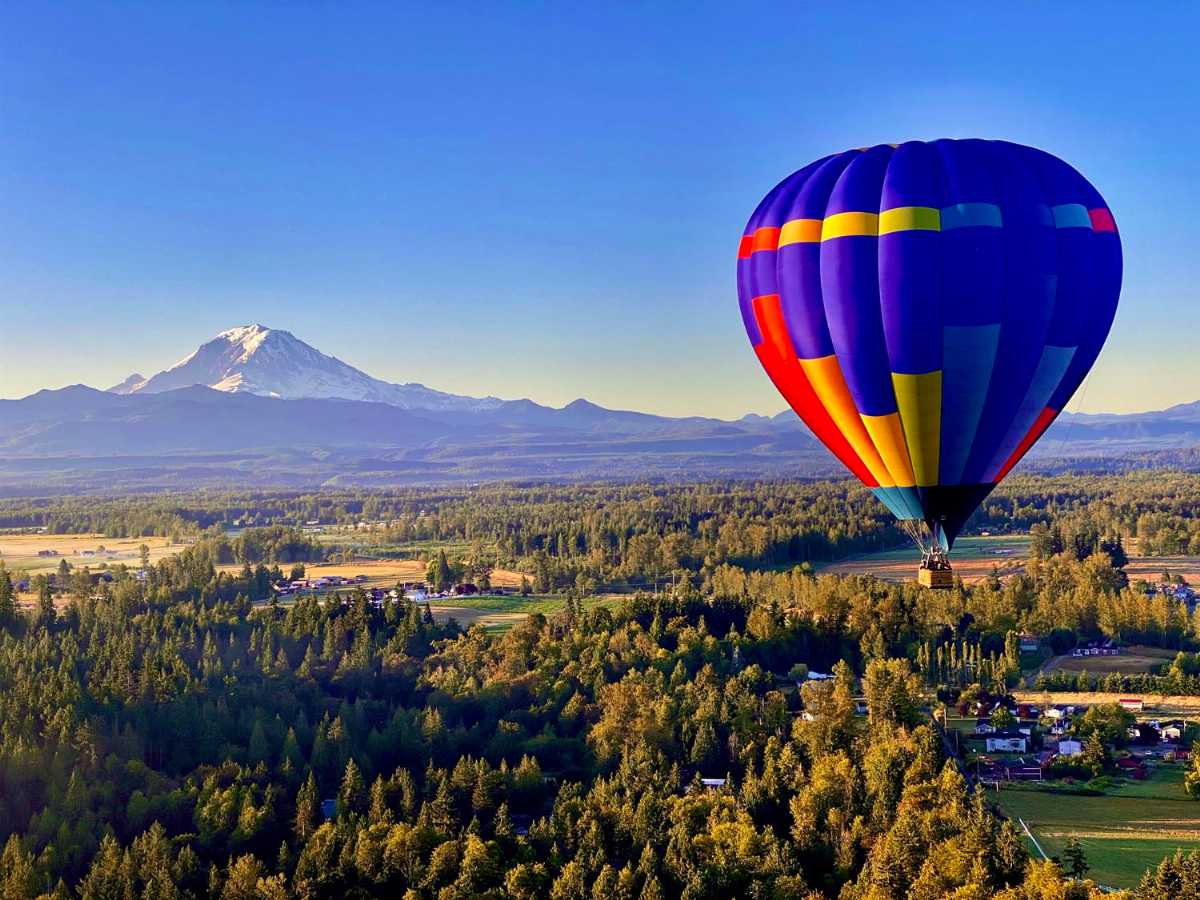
(972, 558)
(1129, 829)
(502, 613)
(966, 549)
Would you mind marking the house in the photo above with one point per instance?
(1030, 643)
(1143, 733)
(1134, 768)
(1132, 704)
(1070, 747)
(713, 783)
(1023, 768)
(1173, 730)
(1006, 742)
(984, 726)
(818, 676)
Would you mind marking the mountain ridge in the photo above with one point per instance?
(241, 409)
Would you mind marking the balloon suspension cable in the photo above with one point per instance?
(932, 555)
(915, 529)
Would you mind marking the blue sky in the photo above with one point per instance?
(529, 199)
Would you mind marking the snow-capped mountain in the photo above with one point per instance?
(269, 362)
(129, 385)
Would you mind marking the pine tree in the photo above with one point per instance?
(380, 812)
(352, 795)
(8, 606)
(308, 809)
(1095, 754)
(1075, 859)
(259, 749)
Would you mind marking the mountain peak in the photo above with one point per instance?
(272, 362)
(129, 385)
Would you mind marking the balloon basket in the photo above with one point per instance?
(935, 571)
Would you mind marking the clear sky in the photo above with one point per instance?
(532, 199)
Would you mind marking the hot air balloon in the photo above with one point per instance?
(928, 309)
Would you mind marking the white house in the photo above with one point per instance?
(1007, 743)
(1173, 731)
(1070, 747)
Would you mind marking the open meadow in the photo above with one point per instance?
(386, 572)
(19, 552)
(1157, 706)
(1151, 568)
(1127, 830)
(1133, 660)
(502, 613)
(496, 613)
(973, 558)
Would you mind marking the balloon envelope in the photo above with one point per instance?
(929, 308)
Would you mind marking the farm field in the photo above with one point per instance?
(502, 613)
(1157, 705)
(1150, 568)
(386, 572)
(494, 613)
(1133, 660)
(973, 558)
(20, 551)
(1123, 832)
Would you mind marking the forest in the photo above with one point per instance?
(183, 734)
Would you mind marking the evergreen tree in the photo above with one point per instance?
(352, 795)
(1075, 859)
(308, 809)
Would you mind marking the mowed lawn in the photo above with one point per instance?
(1123, 833)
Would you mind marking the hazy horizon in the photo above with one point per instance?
(531, 203)
(782, 407)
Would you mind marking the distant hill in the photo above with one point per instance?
(82, 438)
(256, 405)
